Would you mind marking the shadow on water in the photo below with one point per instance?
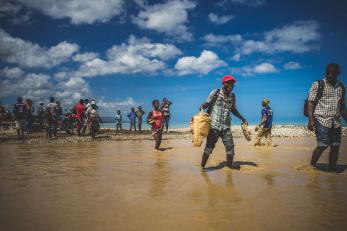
(237, 164)
(340, 168)
(166, 149)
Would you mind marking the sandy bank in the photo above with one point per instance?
(9, 137)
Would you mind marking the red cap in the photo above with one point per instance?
(229, 78)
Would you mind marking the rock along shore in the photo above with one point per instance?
(279, 131)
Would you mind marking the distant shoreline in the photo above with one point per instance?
(109, 134)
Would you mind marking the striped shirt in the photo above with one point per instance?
(327, 110)
(220, 114)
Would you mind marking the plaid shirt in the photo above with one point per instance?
(220, 114)
(327, 110)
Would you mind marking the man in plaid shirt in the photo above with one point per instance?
(222, 102)
(324, 115)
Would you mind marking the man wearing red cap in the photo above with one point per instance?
(220, 103)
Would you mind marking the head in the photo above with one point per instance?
(51, 100)
(132, 109)
(332, 71)
(139, 107)
(156, 104)
(86, 101)
(19, 99)
(81, 101)
(41, 104)
(228, 82)
(118, 112)
(265, 102)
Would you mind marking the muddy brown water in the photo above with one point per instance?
(129, 186)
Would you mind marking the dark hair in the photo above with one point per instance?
(334, 66)
(155, 101)
(81, 101)
(86, 101)
(19, 99)
(58, 102)
(51, 99)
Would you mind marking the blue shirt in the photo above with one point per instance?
(132, 116)
(267, 112)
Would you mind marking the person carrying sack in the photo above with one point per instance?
(220, 103)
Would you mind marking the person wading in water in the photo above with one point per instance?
(155, 118)
(220, 103)
(326, 102)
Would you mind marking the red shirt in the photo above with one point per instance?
(79, 110)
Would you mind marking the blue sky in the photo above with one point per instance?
(127, 53)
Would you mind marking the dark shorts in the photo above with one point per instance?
(327, 136)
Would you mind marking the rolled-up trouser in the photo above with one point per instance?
(227, 139)
(264, 132)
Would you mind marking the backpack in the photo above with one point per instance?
(320, 89)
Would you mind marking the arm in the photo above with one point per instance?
(237, 113)
(149, 116)
(310, 125)
(263, 120)
(311, 99)
(344, 114)
(208, 101)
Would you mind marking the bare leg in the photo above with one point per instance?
(316, 155)
(333, 157)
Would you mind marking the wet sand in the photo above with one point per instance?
(126, 185)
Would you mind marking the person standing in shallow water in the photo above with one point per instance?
(324, 115)
(20, 111)
(265, 126)
(155, 118)
(132, 119)
(139, 114)
(220, 103)
(118, 118)
(165, 107)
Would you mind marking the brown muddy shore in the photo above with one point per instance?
(127, 185)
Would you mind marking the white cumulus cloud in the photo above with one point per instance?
(110, 107)
(135, 56)
(78, 11)
(169, 18)
(219, 19)
(39, 87)
(205, 63)
(28, 54)
(292, 66)
(297, 37)
(262, 68)
(253, 3)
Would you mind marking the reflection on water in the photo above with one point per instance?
(129, 186)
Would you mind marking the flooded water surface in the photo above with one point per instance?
(129, 186)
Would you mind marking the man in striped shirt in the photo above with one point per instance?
(324, 115)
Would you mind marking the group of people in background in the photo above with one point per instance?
(136, 116)
(83, 115)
